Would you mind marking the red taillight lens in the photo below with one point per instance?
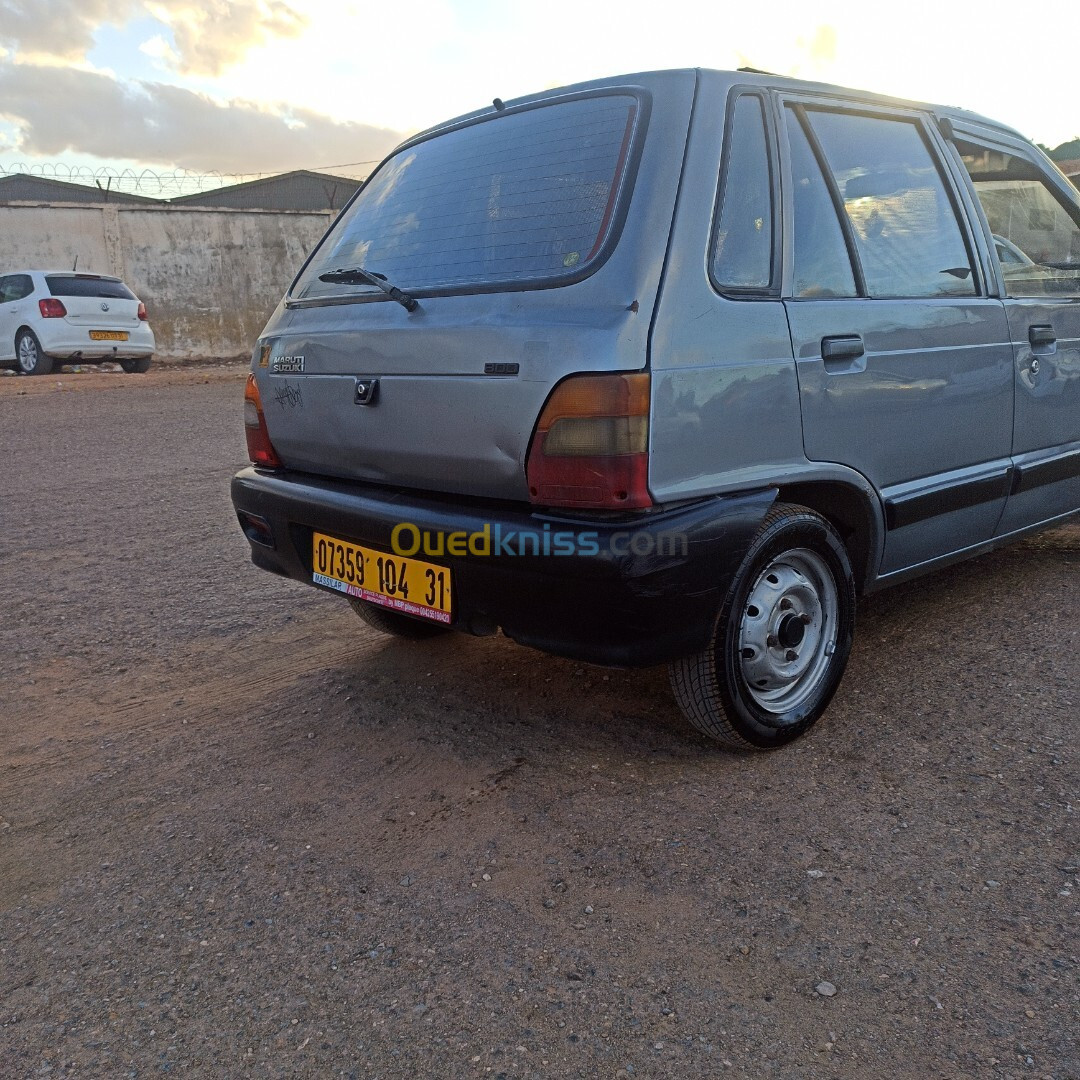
(51, 308)
(591, 446)
(142, 311)
(260, 448)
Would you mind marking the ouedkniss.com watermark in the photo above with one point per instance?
(408, 540)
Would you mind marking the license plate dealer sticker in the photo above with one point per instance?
(391, 581)
(108, 335)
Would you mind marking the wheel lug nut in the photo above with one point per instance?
(785, 604)
(772, 641)
(805, 619)
(791, 655)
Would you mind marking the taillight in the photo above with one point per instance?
(591, 446)
(260, 448)
(51, 308)
(142, 311)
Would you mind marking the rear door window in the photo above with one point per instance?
(520, 198)
(908, 239)
(85, 285)
(821, 263)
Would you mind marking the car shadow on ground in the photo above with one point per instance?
(478, 695)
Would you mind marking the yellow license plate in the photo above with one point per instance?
(108, 335)
(391, 581)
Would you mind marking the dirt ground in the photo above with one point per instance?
(242, 835)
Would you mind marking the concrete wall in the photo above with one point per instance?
(209, 278)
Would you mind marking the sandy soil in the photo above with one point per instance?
(243, 835)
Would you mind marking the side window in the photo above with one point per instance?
(905, 228)
(20, 285)
(822, 266)
(743, 244)
(1036, 233)
(15, 287)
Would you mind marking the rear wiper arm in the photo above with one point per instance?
(355, 274)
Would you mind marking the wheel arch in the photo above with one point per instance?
(853, 511)
(26, 328)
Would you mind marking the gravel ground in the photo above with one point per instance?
(242, 835)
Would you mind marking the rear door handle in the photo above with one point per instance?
(1042, 336)
(838, 352)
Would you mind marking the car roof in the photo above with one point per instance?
(62, 273)
(720, 81)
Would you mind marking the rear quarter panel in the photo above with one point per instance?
(725, 408)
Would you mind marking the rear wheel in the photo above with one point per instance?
(28, 355)
(782, 640)
(393, 622)
(140, 366)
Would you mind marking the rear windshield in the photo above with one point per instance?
(84, 285)
(522, 197)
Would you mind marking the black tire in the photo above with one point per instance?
(394, 623)
(136, 367)
(782, 640)
(29, 359)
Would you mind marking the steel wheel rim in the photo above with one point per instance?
(28, 355)
(787, 631)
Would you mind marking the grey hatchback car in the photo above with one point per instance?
(667, 368)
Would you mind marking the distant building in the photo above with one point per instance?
(31, 188)
(1071, 169)
(299, 190)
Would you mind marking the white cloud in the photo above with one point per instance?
(157, 48)
(58, 111)
(210, 35)
(406, 66)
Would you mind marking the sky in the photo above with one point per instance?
(220, 89)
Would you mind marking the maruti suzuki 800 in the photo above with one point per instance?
(667, 368)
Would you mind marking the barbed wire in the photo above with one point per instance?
(149, 182)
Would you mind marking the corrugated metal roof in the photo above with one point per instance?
(299, 190)
(27, 187)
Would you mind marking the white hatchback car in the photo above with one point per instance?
(49, 317)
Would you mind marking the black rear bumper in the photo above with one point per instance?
(641, 590)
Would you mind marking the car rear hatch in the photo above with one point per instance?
(532, 238)
(93, 301)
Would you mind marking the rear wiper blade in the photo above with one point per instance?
(357, 274)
